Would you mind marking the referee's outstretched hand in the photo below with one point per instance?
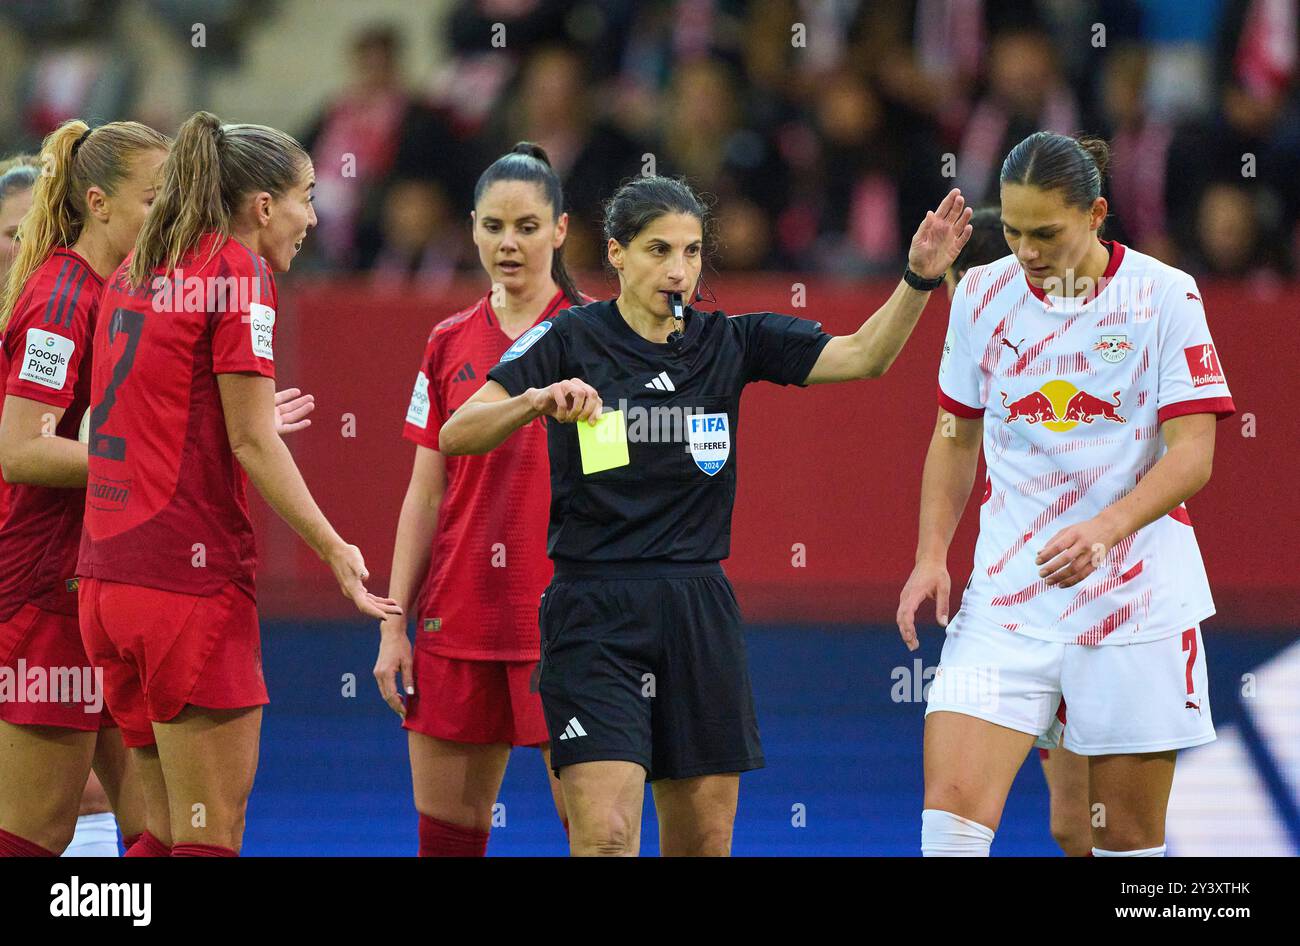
(567, 401)
(928, 580)
(940, 237)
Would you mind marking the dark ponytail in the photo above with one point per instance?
(1058, 162)
(528, 162)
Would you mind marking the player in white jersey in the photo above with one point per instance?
(1088, 371)
(1066, 772)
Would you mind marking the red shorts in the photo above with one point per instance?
(46, 679)
(475, 701)
(164, 650)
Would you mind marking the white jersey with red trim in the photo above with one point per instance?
(1073, 391)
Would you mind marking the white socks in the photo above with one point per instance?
(96, 836)
(1145, 852)
(944, 834)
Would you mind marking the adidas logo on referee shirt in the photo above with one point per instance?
(573, 730)
(661, 383)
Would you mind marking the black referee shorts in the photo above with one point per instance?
(645, 662)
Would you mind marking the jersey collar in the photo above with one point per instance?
(1116, 251)
(689, 315)
(69, 251)
(555, 305)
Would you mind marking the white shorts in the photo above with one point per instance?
(1120, 698)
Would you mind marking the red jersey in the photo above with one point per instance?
(45, 355)
(165, 504)
(489, 567)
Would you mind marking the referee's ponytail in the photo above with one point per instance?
(529, 162)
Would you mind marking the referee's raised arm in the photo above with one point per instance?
(484, 421)
(869, 351)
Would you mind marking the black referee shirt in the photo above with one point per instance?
(681, 404)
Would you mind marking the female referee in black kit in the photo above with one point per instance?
(643, 662)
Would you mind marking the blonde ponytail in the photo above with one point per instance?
(211, 168)
(73, 159)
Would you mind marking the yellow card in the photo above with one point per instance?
(604, 446)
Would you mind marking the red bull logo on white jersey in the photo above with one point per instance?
(1059, 405)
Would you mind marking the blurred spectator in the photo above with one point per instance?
(1179, 35)
(1026, 94)
(1251, 145)
(1231, 240)
(373, 129)
(819, 125)
(74, 81)
(422, 240)
(1139, 157)
(553, 106)
(873, 185)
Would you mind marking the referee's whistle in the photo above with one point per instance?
(675, 298)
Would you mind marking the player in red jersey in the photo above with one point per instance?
(17, 178)
(86, 209)
(96, 831)
(471, 539)
(182, 398)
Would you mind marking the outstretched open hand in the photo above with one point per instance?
(940, 237)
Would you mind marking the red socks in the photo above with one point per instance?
(201, 850)
(439, 839)
(13, 846)
(145, 844)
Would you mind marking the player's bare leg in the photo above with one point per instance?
(1067, 783)
(603, 801)
(456, 782)
(209, 758)
(696, 815)
(147, 771)
(114, 785)
(970, 764)
(94, 800)
(557, 790)
(1133, 791)
(43, 771)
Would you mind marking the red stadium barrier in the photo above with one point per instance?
(825, 520)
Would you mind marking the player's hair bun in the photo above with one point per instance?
(533, 150)
(1098, 150)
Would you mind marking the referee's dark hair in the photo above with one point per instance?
(529, 162)
(643, 200)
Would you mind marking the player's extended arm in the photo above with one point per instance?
(248, 402)
(1077, 551)
(412, 550)
(869, 351)
(416, 526)
(485, 421)
(30, 451)
(950, 465)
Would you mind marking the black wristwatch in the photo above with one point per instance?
(920, 282)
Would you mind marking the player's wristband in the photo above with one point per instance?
(920, 283)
